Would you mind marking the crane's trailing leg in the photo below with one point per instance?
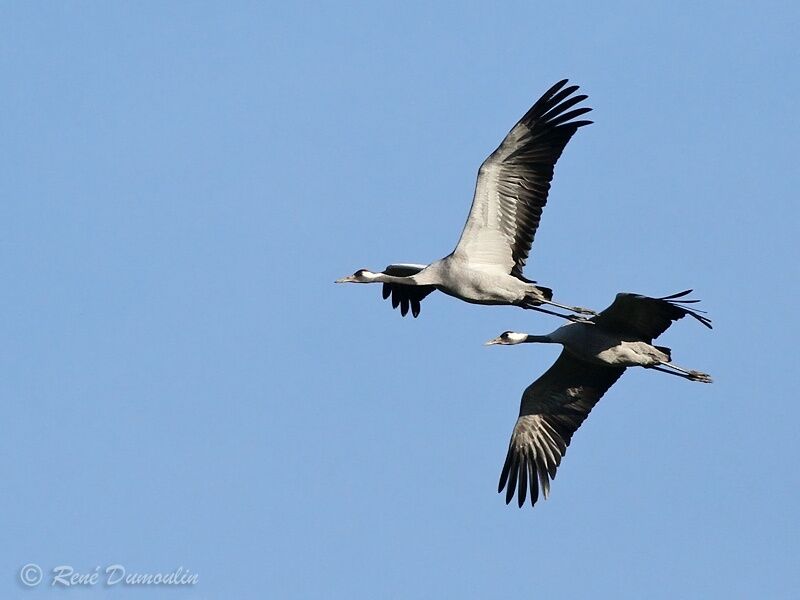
(576, 309)
(536, 304)
(681, 372)
(573, 318)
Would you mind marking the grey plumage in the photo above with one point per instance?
(552, 409)
(594, 357)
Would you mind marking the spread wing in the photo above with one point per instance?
(406, 296)
(514, 180)
(643, 318)
(553, 407)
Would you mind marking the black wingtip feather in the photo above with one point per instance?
(678, 295)
(533, 483)
(504, 472)
(545, 102)
(562, 119)
(704, 320)
(697, 314)
(555, 87)
(553, 100)
(523, 476)
(523, 482)
(569, 103)
(512, 478)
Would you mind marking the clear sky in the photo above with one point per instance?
(183, 385)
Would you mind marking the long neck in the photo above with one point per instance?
(384, 278)
(540, 339)
(426, 276)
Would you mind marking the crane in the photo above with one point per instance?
(594, 357)
(510, 193)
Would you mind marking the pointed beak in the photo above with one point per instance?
(492, 342)
(348, 279)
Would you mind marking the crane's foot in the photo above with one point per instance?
(583, 311)
(698, 376)
(577, 319)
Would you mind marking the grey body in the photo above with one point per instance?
(592, 344)
(456, 276)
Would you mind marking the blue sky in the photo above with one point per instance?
(183, 385)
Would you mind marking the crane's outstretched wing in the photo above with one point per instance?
(406, 296)
(643, 318)
(553, 407)
(514, 180)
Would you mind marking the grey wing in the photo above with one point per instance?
(513, 183)
(553, 407)
(643, 318)
(406, 296)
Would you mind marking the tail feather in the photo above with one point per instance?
(546, 292)
(666, 351)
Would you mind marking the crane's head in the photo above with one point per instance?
(508, 338)
(360, 276)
